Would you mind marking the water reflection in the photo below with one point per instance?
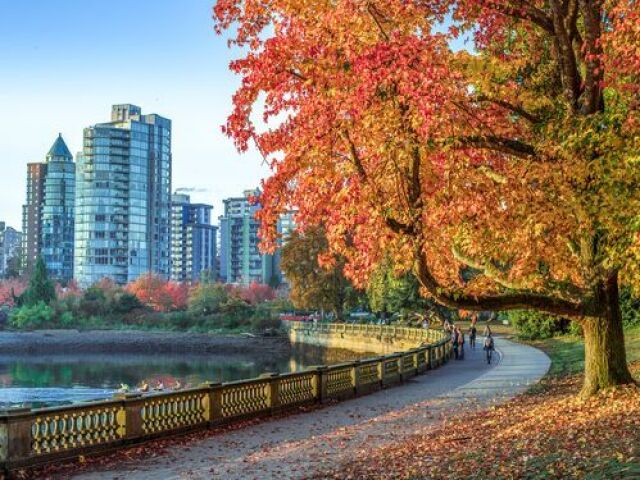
(41, 380)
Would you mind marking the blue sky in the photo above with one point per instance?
(64, 62)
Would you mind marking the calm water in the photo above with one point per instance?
(40, 380)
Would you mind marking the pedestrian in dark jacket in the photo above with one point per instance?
(473, 331)
(489, 347)
(454, 340)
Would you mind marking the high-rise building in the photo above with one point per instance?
(57, 211)
(193, 240)
(123, 198)
(32, 215)
(240, 258)
(47, 216)
(10, 247)
(286, 225)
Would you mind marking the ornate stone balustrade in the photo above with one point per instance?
(31, 437)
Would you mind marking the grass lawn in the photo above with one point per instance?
(497, 327)
(567, 353)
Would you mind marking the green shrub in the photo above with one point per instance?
(126, 303)
(67, 320)
(263, 319)
(180, 320)
(630, 306)
(31, 317)
(534, 325)
(93, 302)
(207, 299)
(236, 308)
(230, 321)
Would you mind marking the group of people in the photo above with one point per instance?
(458, 339)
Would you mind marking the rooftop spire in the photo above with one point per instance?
(59, 149)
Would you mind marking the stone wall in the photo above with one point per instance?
(378, 339)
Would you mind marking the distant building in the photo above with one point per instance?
(123, 198)
(47, 216)
(10, 247)
(286, 225)
(193, 240)
(240, 258)
(32, 215)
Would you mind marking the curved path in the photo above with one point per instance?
(298, 446)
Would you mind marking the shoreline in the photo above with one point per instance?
(139, 342)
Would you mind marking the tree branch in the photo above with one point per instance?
(497, 275)
(500, 144)
(373, 11)
(593, 99)
(509, 301)
(566, 55)
(297, 74)
(395, 225)
(527, 12)
(509, 106)
(487, 269)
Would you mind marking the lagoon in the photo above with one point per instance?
(59, 367)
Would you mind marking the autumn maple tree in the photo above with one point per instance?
(515, 159)
(158, 293)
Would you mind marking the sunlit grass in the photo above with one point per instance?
(567, 353)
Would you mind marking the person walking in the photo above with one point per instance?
(454, 341)
(473, 331)
(489, 347)
(487, 331)
(460, 344)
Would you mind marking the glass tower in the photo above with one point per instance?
(57, 211)
(123, 198)
(48, 214)
(240, 258)
(193, 240)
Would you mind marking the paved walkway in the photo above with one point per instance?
(298, 446)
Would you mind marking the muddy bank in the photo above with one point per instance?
(132, 342)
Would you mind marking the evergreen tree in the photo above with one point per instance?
(41, 288)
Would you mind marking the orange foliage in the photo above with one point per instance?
(507, 160)
(9, 289)
(253, 294)
(158, 293)
(548, 434)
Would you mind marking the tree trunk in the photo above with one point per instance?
(605, 355)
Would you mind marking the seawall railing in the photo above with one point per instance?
(30, 437)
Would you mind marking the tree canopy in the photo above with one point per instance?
(390, 292)
(314, 285)
(518, 159)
